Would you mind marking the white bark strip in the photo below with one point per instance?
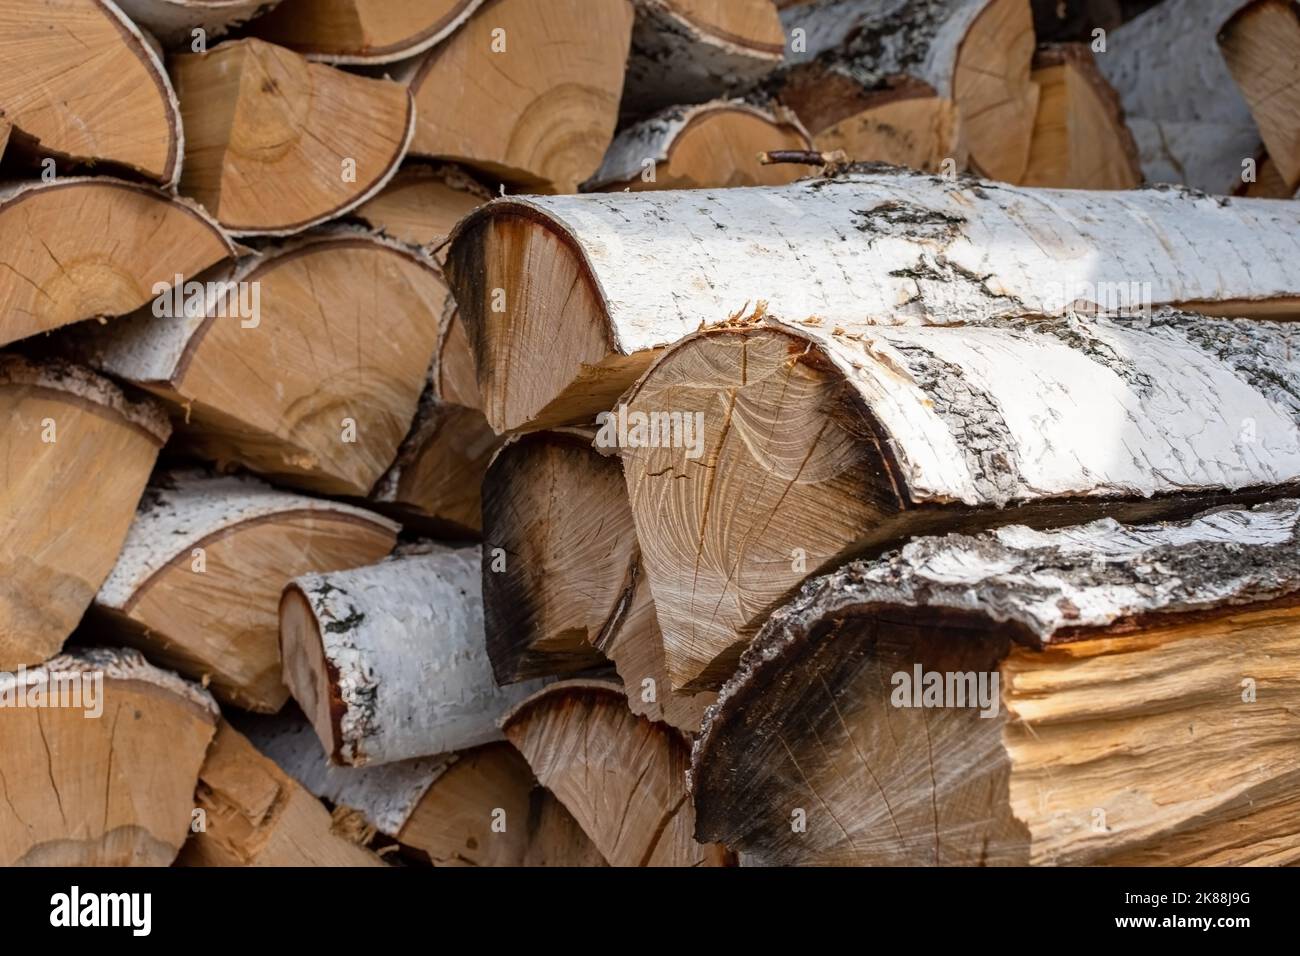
(84, 384)
(172, 21)
(405, 639)
(903, 248)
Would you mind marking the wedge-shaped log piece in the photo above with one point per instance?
(388, 661)
(544, 98)
(562, 319)
(80, 248)
(1098, 694)
(198, 582)
(1080, 138)
(275, 144)
(693, 147)
(304, 363)
(363, 31)
(80, 83)
(254, 814)
(173, 22)
(77, 454)
(422, 203)
(118, 744)
(621, 776)
(821, 443)
(688, 51)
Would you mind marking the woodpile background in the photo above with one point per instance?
(649, 432)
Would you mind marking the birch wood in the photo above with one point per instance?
(173, 22)
(363, 31)
(1122, 654)
(422, 203)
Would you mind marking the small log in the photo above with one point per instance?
(77, 454)
(694, 147)
(422, 203)
(173, 22)
(112, 791)
(818, 444)
(275, 144)
(254, 814)
(388, 662)
(621, 776)
(304, 363)
(544, 101)
(363, 31)
(198, 582)
(1101, 694)
(80, 83)
(81, 248)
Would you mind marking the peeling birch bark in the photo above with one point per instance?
(363, 32)
(198, 580)
(1142, 710)
(388, 661)
(822, 443)
(173, 22)
(562, 317)
(114, 789)
(621, 776)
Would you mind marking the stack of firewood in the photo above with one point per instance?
(649, 432)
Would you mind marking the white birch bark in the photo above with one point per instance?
(59, 376)
(404, 642)
(1190, 121)
(172, 21)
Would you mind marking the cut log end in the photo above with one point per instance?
(362, 31)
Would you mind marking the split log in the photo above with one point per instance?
(1098, 694)
(198, 582)
(77, 454)
(859, 54)
(363, 31)
(422, 204)
(1080, 138)
(81, 84)
(562, 318)
(1188, 117)
(621, 776)
(173, 22)
(254, 814)
(5, 129)
(818, 444)
(715, 144)
(275, 144)
(118, 744)
(388, 661)
(81, 248)
(689, 51)
(1259, 44)
(305, 362)
(544, 98)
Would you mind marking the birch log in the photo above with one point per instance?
(1191, 123)
(198, 581)
(304, 362)
(363, 31)
(80, 83)
(388, 661)
(1100, 694)
(422, 203)
(275, 144)
(567, 299)
(174, 22)
(715, 144)
(77, 454)
(621, 776)
(82, 248)
(118, 744)
(821, 443)
(689, 51)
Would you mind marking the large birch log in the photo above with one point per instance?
(562, 319)
(118, 744)
(715, 144)
(689, 51)
(363, 31)
(275, 144)
(388, 661)
(77, 454)
(422, 203)
(821, 443)
(544, 100)
(1190, 121)
(254, 814)
(1098, 694)
(198, 582)
(304, 363)
(174, 22)
(80, 83)
(81, 248)
(621, 776)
